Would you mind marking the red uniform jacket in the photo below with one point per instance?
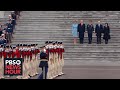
(18, 53)
(13, 54)
(30, 54)
(4, 54)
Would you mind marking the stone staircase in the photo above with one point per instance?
(40, 26)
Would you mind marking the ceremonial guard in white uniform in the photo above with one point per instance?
(61, 57)
(1, 62)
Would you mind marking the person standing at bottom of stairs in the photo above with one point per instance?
(43, 56)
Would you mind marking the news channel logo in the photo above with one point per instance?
(13, 66)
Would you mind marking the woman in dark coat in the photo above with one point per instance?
(106, 32)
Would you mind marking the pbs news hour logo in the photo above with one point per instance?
(13, 66)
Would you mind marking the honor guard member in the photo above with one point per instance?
(10, 51)
(55, 59)
(62, 57)
(22, 56)
(49, 74)
(13, 51)
(1, 62)
(32, 63)
(55, 70)
(50, 62)
(53, 62)
(25, 68)
(27, 62)
(37, 51)
(28, 59)
(47, 48)
(52, 65)
(34, 60)
(18, 51)
(18, 56)
(36, 54)
(6, 54)
(6, 51)
(53, 51)
(59, 54)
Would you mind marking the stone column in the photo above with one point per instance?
(2, 14)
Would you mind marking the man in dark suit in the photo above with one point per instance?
(90, 29)
(98, 31)
(81, 30)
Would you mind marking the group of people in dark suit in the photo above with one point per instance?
(78, 30)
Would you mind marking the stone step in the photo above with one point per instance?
(91, 61)
(61, 29)
(92, 56)
(93, 44)
(99, 47)
(59, 25)
(62, 38)
(70, 12)
(58, 38)
(90, 46)
(72, 45)
(93, 50)
(70, 15)
(92, 53)
(67, 20)
(61, 34)
(36, 41)
(112, 32)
